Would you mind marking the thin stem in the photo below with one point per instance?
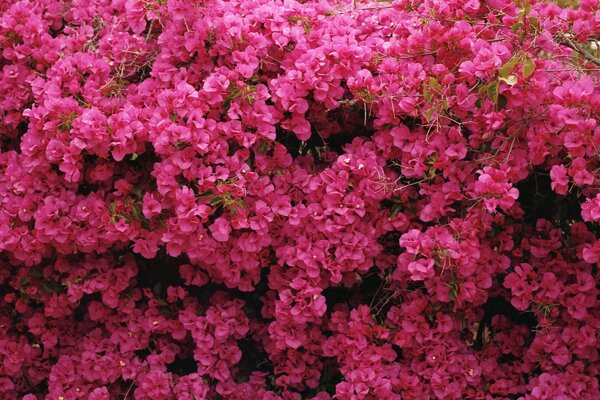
(566, 41)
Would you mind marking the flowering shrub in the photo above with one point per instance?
(267, 199)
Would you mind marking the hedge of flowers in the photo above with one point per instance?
(285, 199)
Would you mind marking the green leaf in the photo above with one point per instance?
(207, 193)
(508, 66)
(216, 200)
(157, 289)
(136, 212)
(161, 301)
(528, 67)
(502, 101)
(426, 94)
(137, 191)
(429, 114)
(134, 156)
(263, 147)
(525, 5)
(46, 288)
(49, 286)
(435, 84)
(431, 172)
(516, 26)
(180, 145)
(445, 104)
(239, 203)
(492, 92)
(510, 80)
(482, 90)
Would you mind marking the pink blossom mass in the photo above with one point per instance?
(299, 199)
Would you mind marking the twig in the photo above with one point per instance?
(128, 390)
(375, 8)
(566, 41)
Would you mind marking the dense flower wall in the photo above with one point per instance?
(280, 199)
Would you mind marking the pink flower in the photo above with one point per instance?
(560, 180)
(590, 210)
(99, 394)
(495, 189)
(220, 229)
(591, 253)
(151, 206)
(578, 170)
(421, 269)
(135, 15)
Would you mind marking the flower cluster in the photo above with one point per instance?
(285, 199)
